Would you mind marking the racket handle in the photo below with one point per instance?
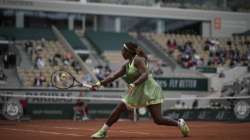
(87, 85)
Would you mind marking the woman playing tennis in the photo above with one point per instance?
(142, 91)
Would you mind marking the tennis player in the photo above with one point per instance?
(142, 91)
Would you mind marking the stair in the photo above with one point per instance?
(96, 60)
(12, 79)
(156, 51)
(25, 58)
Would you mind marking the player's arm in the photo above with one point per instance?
(113, 76)
(139, 63)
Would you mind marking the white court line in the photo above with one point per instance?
(91, 129)
(116, 131)
(62, 127)
(42, 132)
(71, 128)
(134, 132)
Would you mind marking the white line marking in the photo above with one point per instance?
(91, 129)
(61, 127)
(135, 132)
(42, 132)
(71, 128)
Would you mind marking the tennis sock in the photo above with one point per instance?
(105, 127)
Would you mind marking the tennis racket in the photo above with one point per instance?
(62, 79)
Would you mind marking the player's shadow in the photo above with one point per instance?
(8, 123)
(146, 137)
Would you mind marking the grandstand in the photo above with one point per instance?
(74, 41)
(42, 53)
(109, 44)
(198, 52)
(203, 47)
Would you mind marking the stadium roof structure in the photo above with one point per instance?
(120, 10)
(27, 33)
(108, 41)
(214, 23)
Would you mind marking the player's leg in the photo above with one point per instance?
(76, 112)
(83, 113)
(155, 111)
(115, 115)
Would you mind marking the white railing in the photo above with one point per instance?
(68, 47)
(233, 74)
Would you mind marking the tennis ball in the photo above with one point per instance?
(63, 76)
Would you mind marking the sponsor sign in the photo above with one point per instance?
(12, 109)
(183, 84)
(242, 114)
(241, 110)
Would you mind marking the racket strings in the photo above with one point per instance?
(62, 79)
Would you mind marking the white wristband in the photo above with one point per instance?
(132, 85)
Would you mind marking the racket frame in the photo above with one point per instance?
(75, 82)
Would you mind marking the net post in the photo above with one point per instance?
(135, 115)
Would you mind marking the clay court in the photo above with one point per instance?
(123, 130)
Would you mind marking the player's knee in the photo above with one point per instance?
(158, 121)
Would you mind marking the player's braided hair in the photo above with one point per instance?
(135, 50)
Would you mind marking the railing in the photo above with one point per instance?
(68, 47)
(234, 74)
(221, 5)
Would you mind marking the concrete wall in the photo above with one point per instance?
(107, 23)
(231, 22)
(230, 26)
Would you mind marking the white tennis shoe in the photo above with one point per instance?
(183, 127)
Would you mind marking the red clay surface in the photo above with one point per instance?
(123, 130)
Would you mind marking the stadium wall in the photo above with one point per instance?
(220, 23)
(44, 103)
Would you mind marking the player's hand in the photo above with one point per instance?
(96, 86)
(131, 88)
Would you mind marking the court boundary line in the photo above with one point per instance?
(42, 132)
(91, 129)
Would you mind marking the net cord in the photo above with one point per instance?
(117, 99)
